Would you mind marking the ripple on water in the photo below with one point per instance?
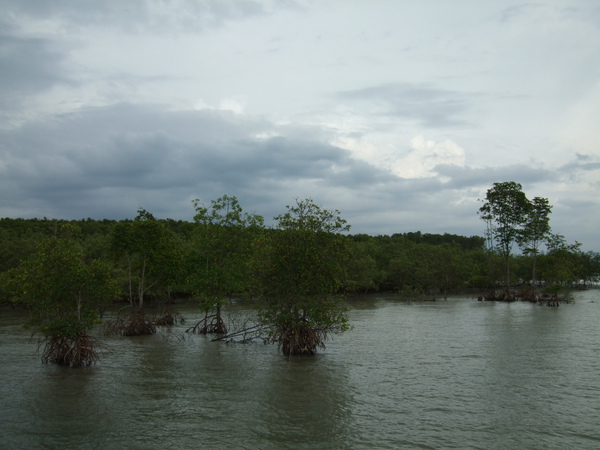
(455, 374)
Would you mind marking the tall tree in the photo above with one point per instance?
(222, 256)
(148, 250)
(147, 247)
(536, 230)
(303, 271)
(504, 211)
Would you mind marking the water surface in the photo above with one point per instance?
(445, 374)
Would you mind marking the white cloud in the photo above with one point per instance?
(419, 161)
(235, 104)
(425, 155)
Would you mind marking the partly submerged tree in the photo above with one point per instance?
(63, 292)
(222, 255)
(301, 274)
(147, 250)
(504, 211)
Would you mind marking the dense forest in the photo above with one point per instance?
(68, 272)
(410, 262)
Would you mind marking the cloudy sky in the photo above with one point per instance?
(400, 114)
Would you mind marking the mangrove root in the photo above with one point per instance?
(74, 351)
(212, 324)
(169, 319)
(133, 324)
(299, 338)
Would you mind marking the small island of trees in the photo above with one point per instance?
(295, 275)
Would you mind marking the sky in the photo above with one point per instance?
(399, 114)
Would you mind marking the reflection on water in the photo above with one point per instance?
(449, 374)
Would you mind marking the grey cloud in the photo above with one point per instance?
(404, 205)
(108, 162)
(68, 166)
(465, 177)
(581, 163)
(28, 67)
(136, 16)
(430, 106)
(579, 168)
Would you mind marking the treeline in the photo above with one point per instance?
(411, 263)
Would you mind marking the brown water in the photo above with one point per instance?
(453, 374)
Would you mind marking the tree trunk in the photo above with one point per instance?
(141, 286)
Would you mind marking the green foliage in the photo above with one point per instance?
(535, 231)
(553, 289)
(19, 239)
(363, 273)
(563, 263)
(148, 253)
(590, 266)
(225, 253)
(426, 269)
(62, 289)
(303, 270)
(182, 268)
(536, 225)
(465, 243)
(221, 255)
(63, 292)
(481, 282)
(507, 206)
(222, 248)
(512, 218)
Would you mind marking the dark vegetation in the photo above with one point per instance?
(294, 274)
(512, 219)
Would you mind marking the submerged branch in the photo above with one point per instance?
(211, 324)
(244, 335)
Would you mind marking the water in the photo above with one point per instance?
(454, 374)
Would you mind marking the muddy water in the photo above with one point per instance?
(453, 374)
